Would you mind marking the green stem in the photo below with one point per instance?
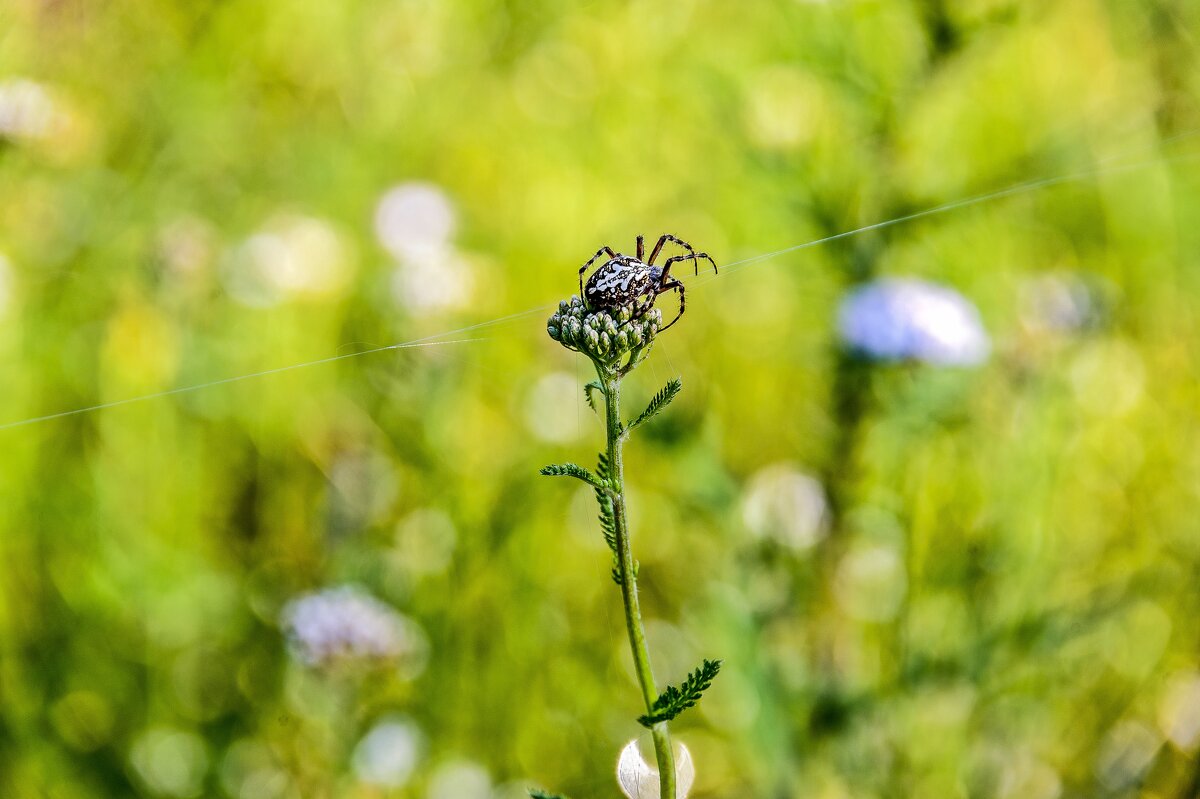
(629, 594)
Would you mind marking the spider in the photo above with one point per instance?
(625, 280)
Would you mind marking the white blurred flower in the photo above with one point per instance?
(460, 780)
(911, 319)
(787, 108)
(425, 541)
(414, 219)
(1010, 772)
(366, 484)
(639, 781)
(1060, 303)
(786, 505)
(1108, 378)
(553, 408)
(6, 284)
(170, 762)
(290, 256)
(1126, 754)
(186, 245)
(415, 222)
(388, 754)
(249, 770)
(871, 583)
(434, 281)
(1179, 711)
(27, 110)
(346, 623)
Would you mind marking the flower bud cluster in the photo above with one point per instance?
(603, 335)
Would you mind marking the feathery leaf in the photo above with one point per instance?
(602, 467)
(591, 397)
(573, 470)
(673, 701)
(661, 400)
(608, 520)
(608, 516)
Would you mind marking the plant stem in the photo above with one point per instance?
(629, 594)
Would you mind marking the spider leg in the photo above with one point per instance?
(663, 240)
(658, 247)
(641, 247)
(669, 285)
(639, 310)
(692, 257)
(591, 261)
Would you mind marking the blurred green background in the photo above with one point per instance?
(924, 582)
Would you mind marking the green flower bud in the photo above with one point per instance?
(611, 337)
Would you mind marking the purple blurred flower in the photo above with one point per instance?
(346, 623)
(910, 319)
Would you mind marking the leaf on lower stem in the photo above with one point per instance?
(673, 701)
(589, 393)
(608, 515)
(602, 467)
(608, 520)
(573, 470)
(661, 400)
(616, 571)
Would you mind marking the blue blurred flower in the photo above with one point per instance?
(911, 319)
(346, 623)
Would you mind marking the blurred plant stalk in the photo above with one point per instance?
(617, 342)
(627, 570)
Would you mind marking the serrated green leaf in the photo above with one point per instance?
(602, 468)
(573, 470)
(673, 701)
(608, 515)
(591, 397)
(608, 519)
(661, 400)
(616, 570)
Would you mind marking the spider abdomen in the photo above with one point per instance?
(619, 282)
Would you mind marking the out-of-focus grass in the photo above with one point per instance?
(999, 600)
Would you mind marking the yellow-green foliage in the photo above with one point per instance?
(923, 583)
